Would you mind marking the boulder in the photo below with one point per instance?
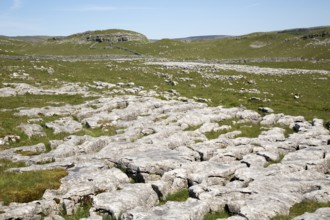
(266, 110)
(129, 197)
(32, 130)
(190, 209)
(65, 125)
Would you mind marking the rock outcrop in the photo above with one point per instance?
(155, 152)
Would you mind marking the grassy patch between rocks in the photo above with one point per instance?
(278, 160)
(97, 132)
(192, 128)
(249, 129)
(81, 212)
(216, 215)
(26, 186)
(179, 196)
(301, 208)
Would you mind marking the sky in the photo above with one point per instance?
(159, 19)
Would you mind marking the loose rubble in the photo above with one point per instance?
(234, 67)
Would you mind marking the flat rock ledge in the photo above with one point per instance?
(161, 147)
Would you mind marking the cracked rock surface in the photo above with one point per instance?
(156, 146)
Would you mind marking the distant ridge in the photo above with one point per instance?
(204, 37)
(299, 31)
(29, 38)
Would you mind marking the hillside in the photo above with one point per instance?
(205, 37)
(311, 43)
(109, 125)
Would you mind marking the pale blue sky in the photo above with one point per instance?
(160, 18)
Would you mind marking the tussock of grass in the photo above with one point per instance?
(179, 196)
(278, 160)
(287, 131)
(81, 212)
(192, 128)
(301, 208)
(27, 153)
(216, 215)
(26, 186)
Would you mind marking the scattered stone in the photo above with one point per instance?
(50, 70)
(296, 96)
(251, 82)
(255, 99)
(327, 125)
(9, 139)
(296, 128)
(266, 110)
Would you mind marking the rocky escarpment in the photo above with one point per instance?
(117, 37)
(111, 36)
(163, 146)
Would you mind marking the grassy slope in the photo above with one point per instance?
(313, 89)
(276, 45)
(288, 44)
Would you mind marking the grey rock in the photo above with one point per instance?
(65, 125)
(266, 110)
(153, 147)
(273, 135)
(271, 119)
(249, 115)
(190, 209)
(9, 139)
(327, 125)
(129, 197)
(27, 211)
(32, 130)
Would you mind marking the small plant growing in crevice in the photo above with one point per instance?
(192, 128)
(178, 196)
(82, 211)
(47, 161)
(278, 160)
(216, 215)
(301, 208)
(28, 153)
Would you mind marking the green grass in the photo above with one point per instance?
(27, 153)
(192, 128)
(313, 89)
(29, 100)
(250, 130)
(26, 186)
(179, 196)
(216, 215)
(300, 208)
(276, 45)
(278, 160)
(286, 44)
(81, 212)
